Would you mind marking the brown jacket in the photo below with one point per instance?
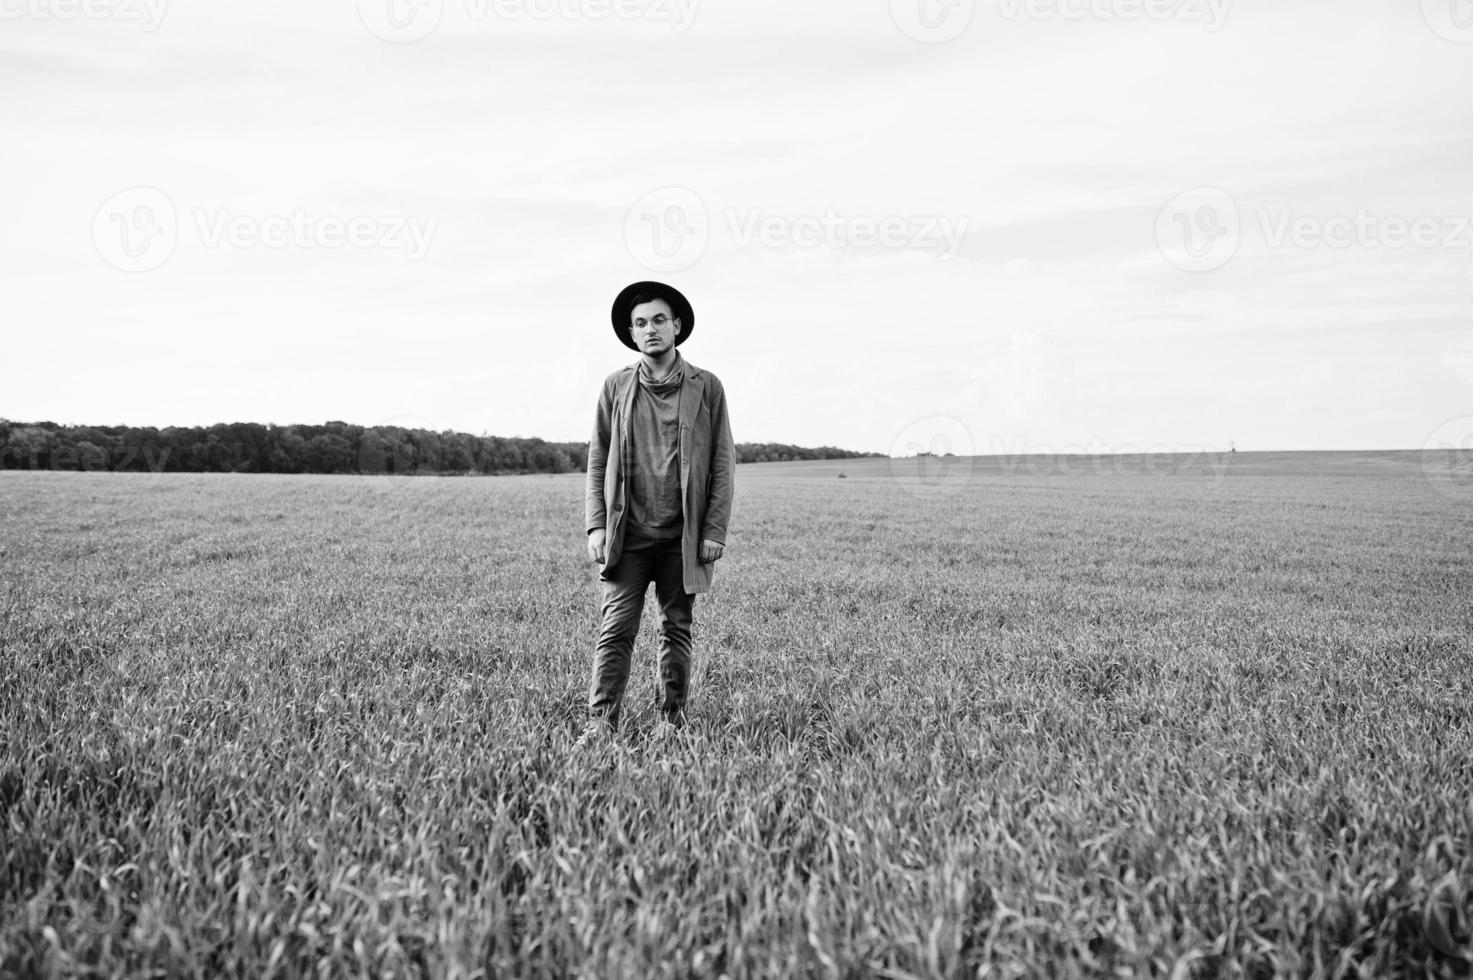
(707, 467)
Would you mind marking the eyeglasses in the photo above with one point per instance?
(657, 321)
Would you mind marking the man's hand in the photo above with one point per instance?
(711, 550)
(597, 538)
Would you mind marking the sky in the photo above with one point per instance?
(974, 226)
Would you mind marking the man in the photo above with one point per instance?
(660, 468)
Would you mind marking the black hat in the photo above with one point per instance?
(646, 291)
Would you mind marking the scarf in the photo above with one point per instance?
(670, 382)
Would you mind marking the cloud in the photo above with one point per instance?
(1013, 381)
(1457, 357)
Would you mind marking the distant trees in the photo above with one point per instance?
(333, 447)
(249, 447)
(776, 452)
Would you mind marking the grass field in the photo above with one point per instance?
(1175, 718)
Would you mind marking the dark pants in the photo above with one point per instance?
(642, 561)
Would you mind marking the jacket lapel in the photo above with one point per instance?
(692, 392)
(626, 406)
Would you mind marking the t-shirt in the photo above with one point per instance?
(654, 477)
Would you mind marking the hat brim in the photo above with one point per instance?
(680, 308)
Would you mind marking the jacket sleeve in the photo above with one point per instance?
(595, 516)
(723, 468)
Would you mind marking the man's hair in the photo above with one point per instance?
(641, 298)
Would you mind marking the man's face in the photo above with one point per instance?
(653, 328)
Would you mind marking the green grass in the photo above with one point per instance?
(1106, 720)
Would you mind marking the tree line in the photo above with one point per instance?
(333, 447)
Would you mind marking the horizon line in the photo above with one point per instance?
(871, 453)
